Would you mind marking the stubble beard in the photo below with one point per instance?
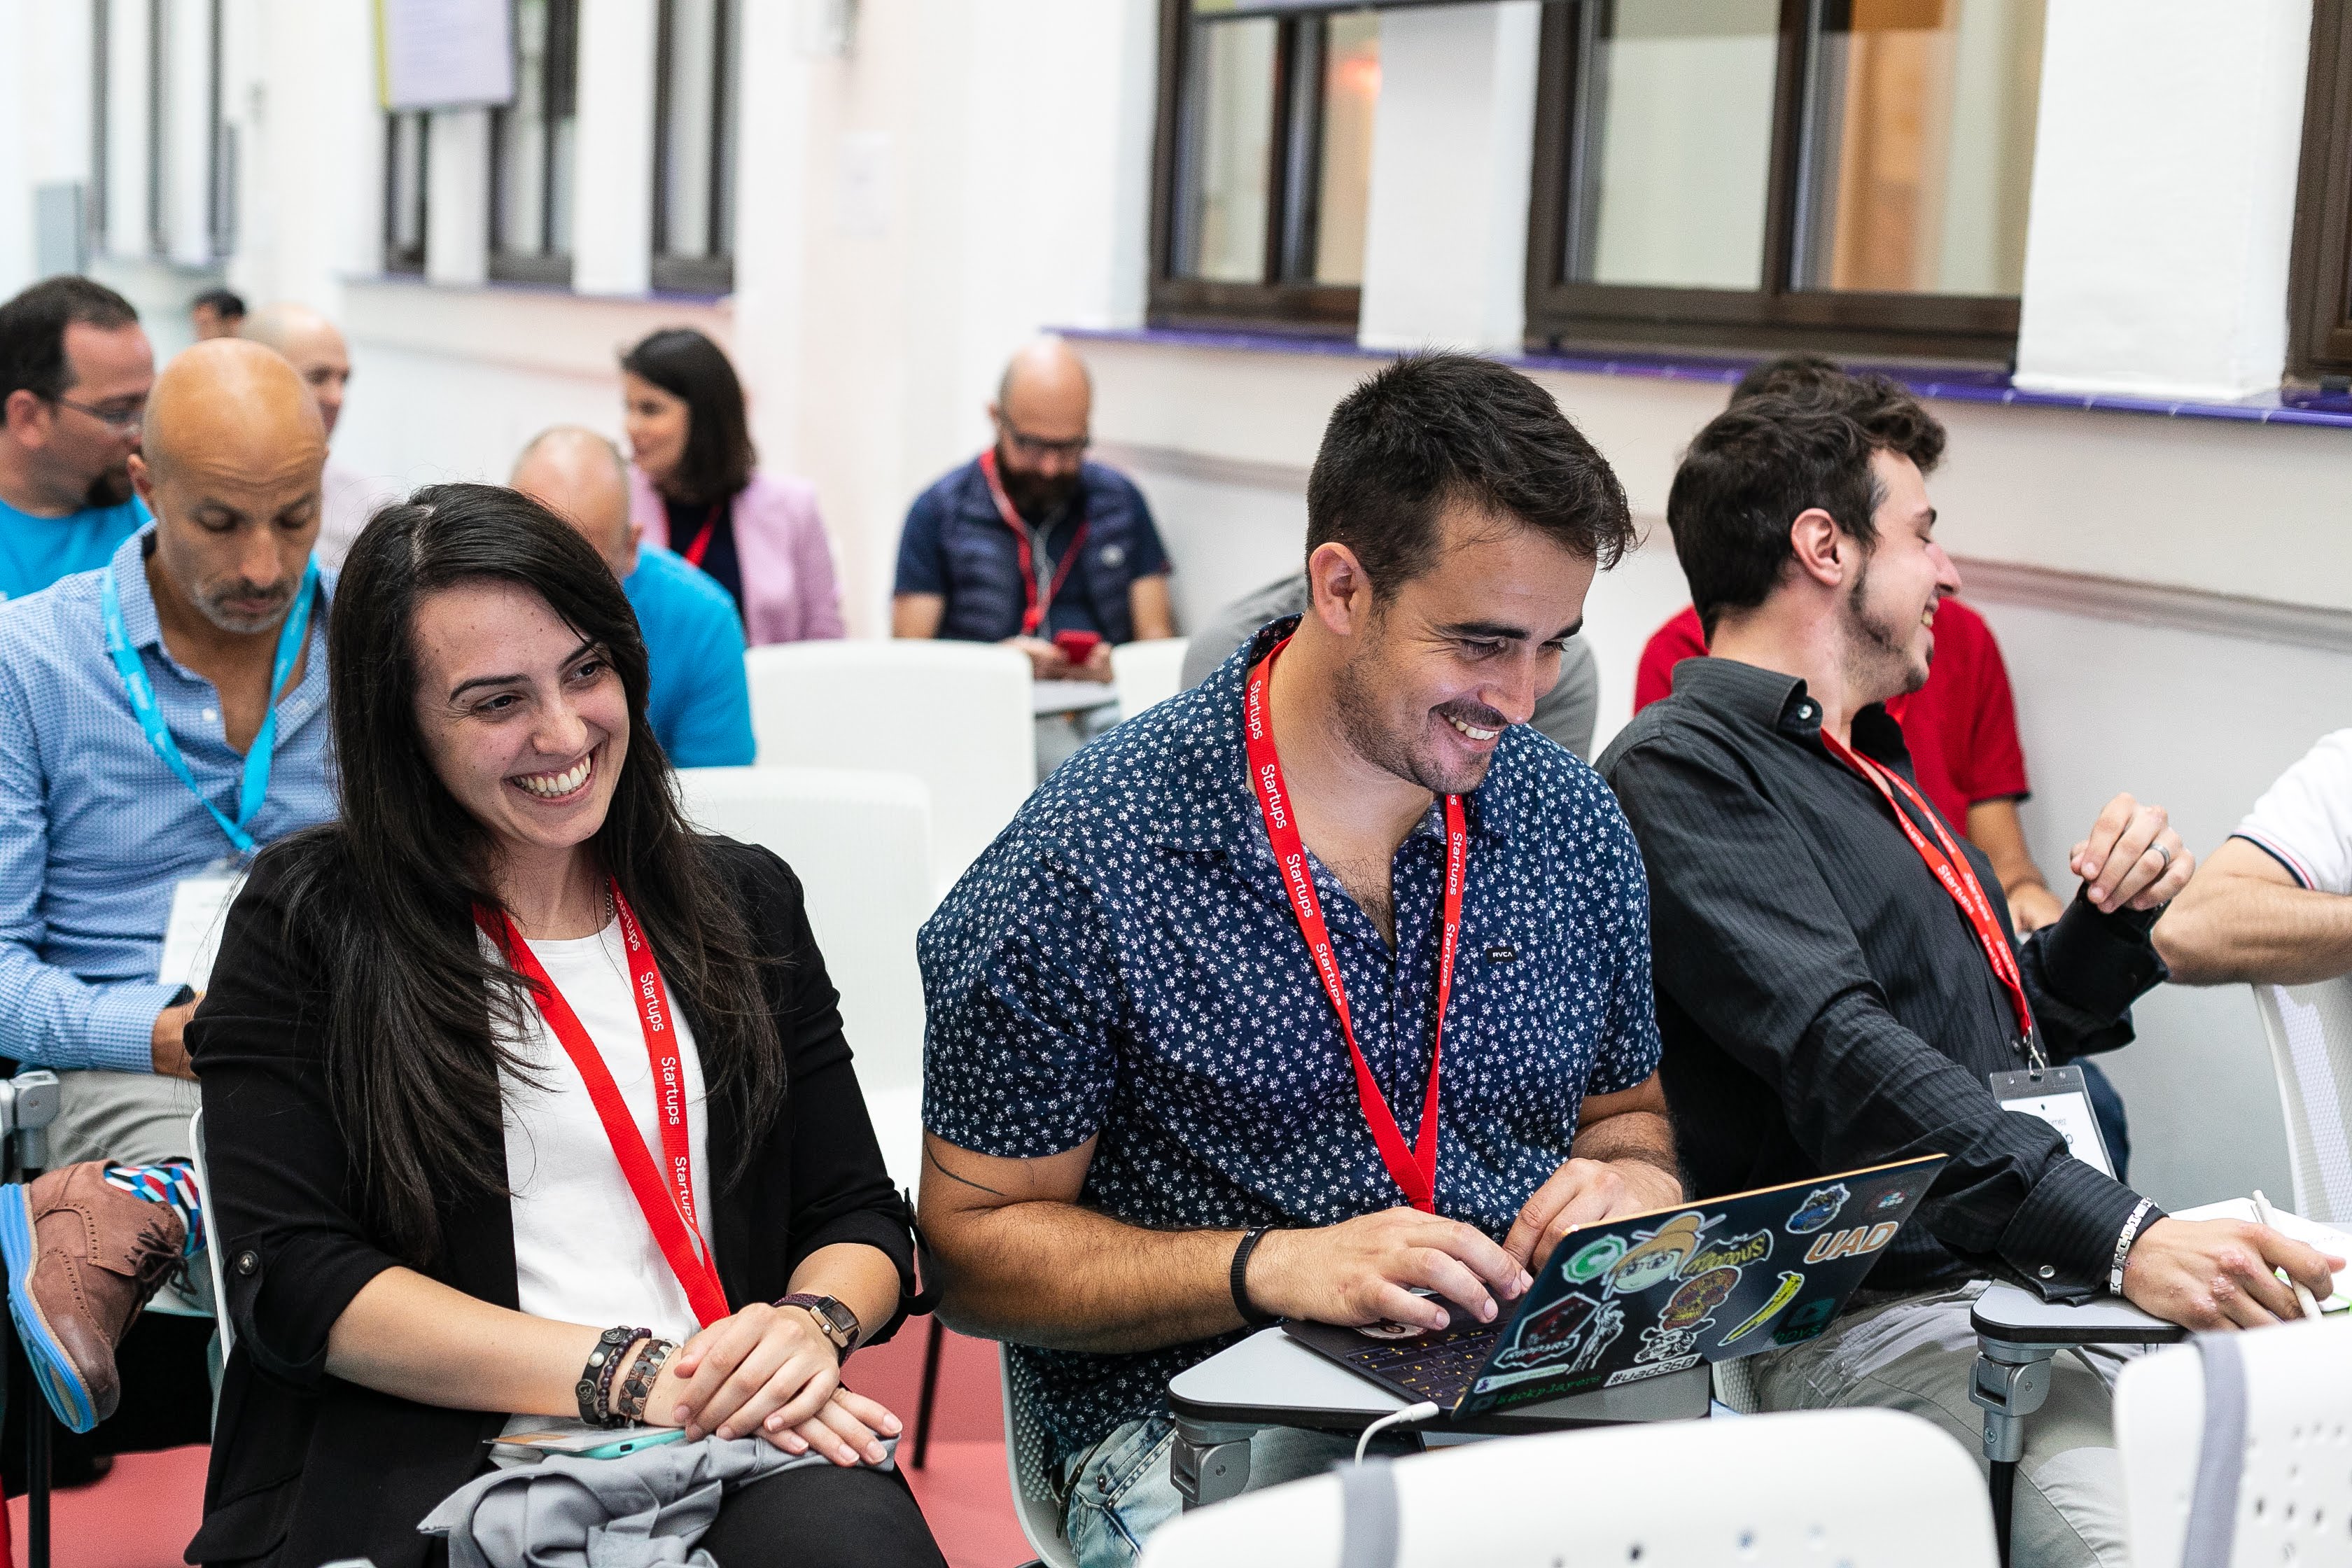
(1878, 650)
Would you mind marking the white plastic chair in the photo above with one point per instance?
(2292, 1496)
(861, 845)
(1869, 1488)
(221, 1325)
(955, 715)
(2310, 1031)
(1024, 1461)
(1148, 672)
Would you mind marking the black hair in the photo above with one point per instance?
(226, 303)
(1766, 459)
(1803, 375)
(1435, 430)
(719, 456)
(387, 893)
(33, 333)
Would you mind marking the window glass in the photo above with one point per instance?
(1352, 92)
(1921, 134)
(404, 191)
(532, 139)
(1227, 152)
(688, 140)
(1672, 169)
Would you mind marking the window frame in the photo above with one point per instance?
(546, 265)
(1567, 315)
(1308, 309)
(2319, 278)
(397, 262)
(101, 44)
(158, 226)
(712, 273)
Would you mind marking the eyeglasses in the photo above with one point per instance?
(1035, 447)
(122, 417)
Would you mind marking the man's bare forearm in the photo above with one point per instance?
(1633, 1137)
(1051, 1273)
(2245, 928)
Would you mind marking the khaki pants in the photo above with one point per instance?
(1915, 1355)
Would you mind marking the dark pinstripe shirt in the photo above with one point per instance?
(1824, 1004)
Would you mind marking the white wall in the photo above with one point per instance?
(2164, 196)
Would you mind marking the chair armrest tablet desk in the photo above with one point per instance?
(1272, 1379)
(2017, 1333)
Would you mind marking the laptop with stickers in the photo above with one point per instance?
(1649, 1294)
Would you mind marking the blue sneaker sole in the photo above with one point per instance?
(61, 1385)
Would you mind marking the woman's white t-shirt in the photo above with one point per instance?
(583, 1252)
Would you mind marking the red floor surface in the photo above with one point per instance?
(143, 1514)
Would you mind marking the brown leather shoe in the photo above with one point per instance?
(98, 1254)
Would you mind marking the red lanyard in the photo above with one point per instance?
(694, 551)
(1415, 1169)
(669, 1207)
(1959, 879)
(1033, 613)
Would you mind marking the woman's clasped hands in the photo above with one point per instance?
(770, 1370)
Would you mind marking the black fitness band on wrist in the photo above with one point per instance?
(1250, 1313)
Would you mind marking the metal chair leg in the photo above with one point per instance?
(2009, 1381)
(934, 1341)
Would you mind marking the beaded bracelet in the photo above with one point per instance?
(639, 1387)
(594, 1389)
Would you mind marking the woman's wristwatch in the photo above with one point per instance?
(835, 1321)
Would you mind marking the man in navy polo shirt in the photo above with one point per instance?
(699, 700)
(1029, 541)
(1144, 1128)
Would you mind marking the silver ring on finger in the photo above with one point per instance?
(2160, 849)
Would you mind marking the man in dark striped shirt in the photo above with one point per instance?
(1826, 997)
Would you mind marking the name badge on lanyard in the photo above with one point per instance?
(140, 692)
(199, 911)
(2060, 1097)
(1414, 1168)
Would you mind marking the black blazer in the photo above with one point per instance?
(307, 1468)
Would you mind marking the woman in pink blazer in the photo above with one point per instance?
(693, 489)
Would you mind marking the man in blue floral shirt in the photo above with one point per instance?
(1149, 1127)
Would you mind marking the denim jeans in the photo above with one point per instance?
(1120, 1490)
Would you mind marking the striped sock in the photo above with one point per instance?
(173, 1185)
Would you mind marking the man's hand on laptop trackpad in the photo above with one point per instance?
(1365, 1270)
(1583, 1193)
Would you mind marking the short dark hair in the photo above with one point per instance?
(33, 333)
(1803, 375)
(719, 456)
(1766, 459)
(226, 303)
(1440, 429)
(385, 894)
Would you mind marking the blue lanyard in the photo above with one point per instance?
(290, 637)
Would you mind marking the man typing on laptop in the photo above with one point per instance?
(1838, 978)
(1322, 982)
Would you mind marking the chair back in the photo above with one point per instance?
(1148, 672)
(955, 715)
(1867, 1487)
(221, 1325)
(2287, 1475)
(861, 845)
(1025, 1458)
(2310, 1031)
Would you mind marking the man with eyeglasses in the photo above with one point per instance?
(1031, 545)
(75, 368)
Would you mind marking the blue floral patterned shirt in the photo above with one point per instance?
(1122, 965)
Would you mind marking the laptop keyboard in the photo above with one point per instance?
(1439, 1368)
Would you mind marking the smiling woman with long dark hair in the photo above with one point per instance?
(511, 1053)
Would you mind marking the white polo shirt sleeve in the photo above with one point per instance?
(2304, 820)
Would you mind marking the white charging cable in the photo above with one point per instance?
(1405, 1417)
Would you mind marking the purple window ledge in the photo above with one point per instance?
(1958, 384)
